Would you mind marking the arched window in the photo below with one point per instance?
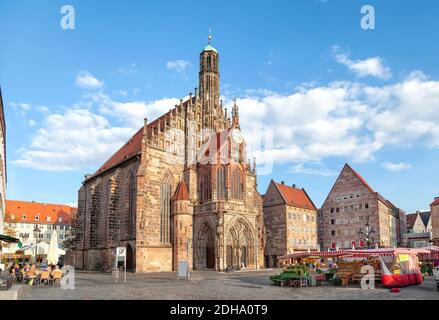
(237, 184)
(165, 211)
(221, 183)
(132, 204)
(205, 190)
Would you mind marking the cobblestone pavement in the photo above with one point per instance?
(253, 285)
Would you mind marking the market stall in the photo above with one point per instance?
(394, 267)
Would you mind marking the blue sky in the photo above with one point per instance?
(330, 91)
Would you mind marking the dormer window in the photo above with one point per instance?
(23, 217)
(48, 219)
(37, 218)
(60, 219)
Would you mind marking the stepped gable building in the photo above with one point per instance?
(291, 222)
(435, 220)
(419, 230)
(351, 206)
(180, 188)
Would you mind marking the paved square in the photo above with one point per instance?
(253, 285)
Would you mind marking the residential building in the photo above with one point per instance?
(291, 222)
(23, 217)
(419, 230)
(355, 215)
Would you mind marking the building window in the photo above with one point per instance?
(332, 221)
(37, 218)
(237, 186)
(332, 232)
(132, 204)
(23, 217)
(60, 219)
(165, 211)
(337, 209)
(205, 187)
(366, 206)
(332, 210)
(221, 182)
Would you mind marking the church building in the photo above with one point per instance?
(181, 189)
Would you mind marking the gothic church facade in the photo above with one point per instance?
(180, 189)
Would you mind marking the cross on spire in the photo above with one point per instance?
(209, 37)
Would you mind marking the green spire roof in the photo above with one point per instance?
(210, 48)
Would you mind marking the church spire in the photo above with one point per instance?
(209, 84)
(235, 115)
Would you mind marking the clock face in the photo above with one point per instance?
(237, 136)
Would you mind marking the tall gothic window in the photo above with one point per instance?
(205, 190)
(132, 204)
(165, 211)
(237, 187)
(221, 182)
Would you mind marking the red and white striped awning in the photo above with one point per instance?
(384, 252)
(318, 254)
(432, 254)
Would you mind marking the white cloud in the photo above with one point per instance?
(32, 123)
(363, 68)
(177, 65)
(21, 107)
(396, 166)
(74, 140)
(343, 119)
(301, 169)
(128, 70)
(87, 81)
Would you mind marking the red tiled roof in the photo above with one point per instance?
(181, 193)
(134, 146)
(295, 197)
(435, 202)
(25, 212)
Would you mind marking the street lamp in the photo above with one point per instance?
(37, 232)
(25, 237)
(368, 231)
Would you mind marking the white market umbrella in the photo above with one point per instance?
(52, 252)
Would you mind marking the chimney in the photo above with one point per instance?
(282, 183)
(294, 185)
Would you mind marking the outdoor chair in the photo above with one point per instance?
(57, 275)
(24, 277)
(44, 278)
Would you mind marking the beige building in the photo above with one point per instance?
(291, 222)
(419, 230)
(435, 221)
(23, 217)
(173, 192)
(353, 209)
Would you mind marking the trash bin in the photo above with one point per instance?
(5, 282)
(313, 280)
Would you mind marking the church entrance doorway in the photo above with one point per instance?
(130, 258)
(210, 258)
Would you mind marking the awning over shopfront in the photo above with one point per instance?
(9, 239)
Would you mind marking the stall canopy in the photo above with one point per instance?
(6, 238)
(432, 253)
(361, 253)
